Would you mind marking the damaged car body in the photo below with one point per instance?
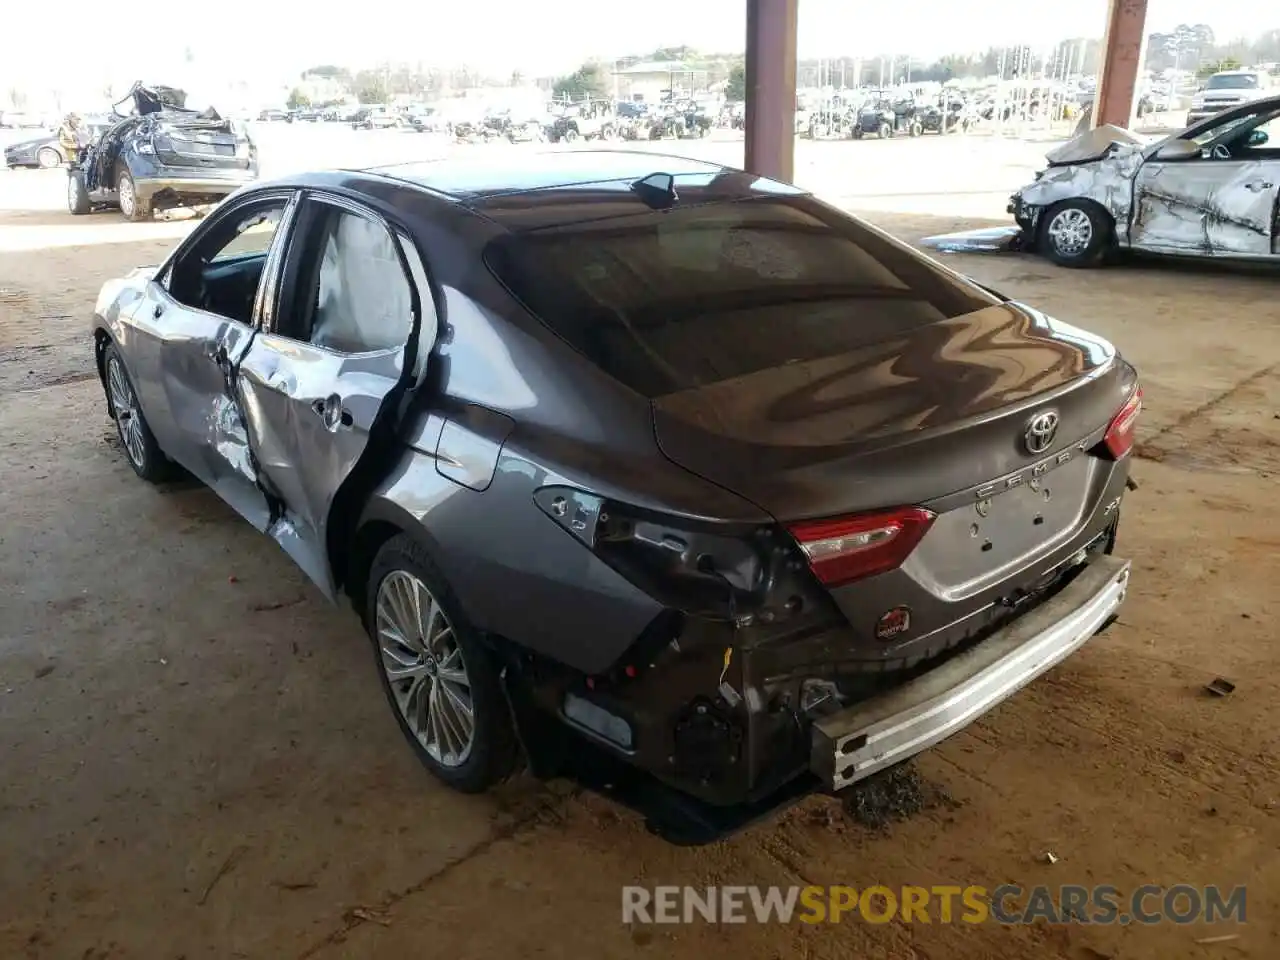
(159, 156)
(684, 473)
(1210, 191)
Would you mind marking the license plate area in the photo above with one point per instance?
(972, 545)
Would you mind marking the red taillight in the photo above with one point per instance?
(1119, 435)
(854, 547)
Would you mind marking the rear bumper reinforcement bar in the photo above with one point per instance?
(870, 736)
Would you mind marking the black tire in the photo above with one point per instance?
(134, 211)
(145, 456)
(48, 157)
(917, 130)
(77, 195)
(886, 131)
(857, 133)
(494, 751)
(1067, 220)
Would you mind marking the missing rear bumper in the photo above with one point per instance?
(853, 744)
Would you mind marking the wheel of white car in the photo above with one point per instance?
(1074, 233)
(440, 678)
(48, 158)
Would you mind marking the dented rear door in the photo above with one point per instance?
(321, 385)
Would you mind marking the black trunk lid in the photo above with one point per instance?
(200, 143)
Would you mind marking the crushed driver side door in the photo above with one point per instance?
(322, 384)
(191, 328)
(1206, 207)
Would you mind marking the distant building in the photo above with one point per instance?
(324, 89)
(651, 81)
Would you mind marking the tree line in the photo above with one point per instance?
(1188, 47)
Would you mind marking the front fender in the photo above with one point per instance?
(116, 302)
(1107, 182)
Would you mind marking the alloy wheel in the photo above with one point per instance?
(1071, 231)
(125, 406)
(423, 664)
(125, 196)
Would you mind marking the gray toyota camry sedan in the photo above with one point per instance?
(639, 458)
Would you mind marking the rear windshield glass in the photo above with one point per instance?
(673, 300)
(1232, 81)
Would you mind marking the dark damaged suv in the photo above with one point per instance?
(638, 459)
(160, 156)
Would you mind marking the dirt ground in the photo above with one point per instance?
(197, 761)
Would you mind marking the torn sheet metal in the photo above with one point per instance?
(1108, 182)
(231, 471)
(1093, 145)
(1211, 208)
(984, 240)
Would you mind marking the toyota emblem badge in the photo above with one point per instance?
(1041, 431)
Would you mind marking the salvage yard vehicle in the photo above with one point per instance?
(886, 117)
(161, 156)
(1210, 191)
(637, 466)
(875, 117)
(594, 119)
(1227, 89)
(377, 118)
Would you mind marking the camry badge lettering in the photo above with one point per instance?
(989, 490)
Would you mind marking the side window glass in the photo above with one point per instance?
(253, 236)
(363, 300)
(222, 272)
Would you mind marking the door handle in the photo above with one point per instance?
(1258, 185)
(331, 412)
(158, 311)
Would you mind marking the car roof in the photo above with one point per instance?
(520, 191)
(470, 178)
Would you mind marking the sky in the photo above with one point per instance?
(260, 38)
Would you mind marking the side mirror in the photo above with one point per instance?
(1178, 150)
(1258, 138)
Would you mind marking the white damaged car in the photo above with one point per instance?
(1210, 191)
